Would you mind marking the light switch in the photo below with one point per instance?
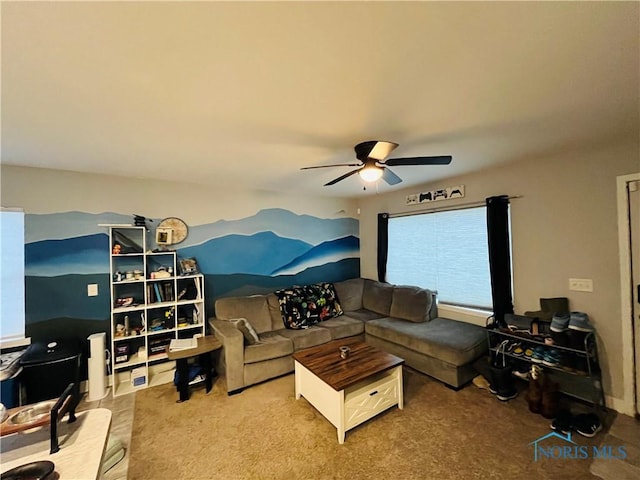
(92, 290)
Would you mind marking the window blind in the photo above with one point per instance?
(444, 251)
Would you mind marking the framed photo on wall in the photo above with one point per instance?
(188, 266)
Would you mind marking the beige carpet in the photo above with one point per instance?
(264, 433)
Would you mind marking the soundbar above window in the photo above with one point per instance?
(444, 251)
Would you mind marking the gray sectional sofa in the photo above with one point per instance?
(399, 319)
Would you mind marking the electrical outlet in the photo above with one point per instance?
(581, 284)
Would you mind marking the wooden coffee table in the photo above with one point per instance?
(350, 391)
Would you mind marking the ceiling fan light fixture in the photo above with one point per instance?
(374, 164)
(370, 173)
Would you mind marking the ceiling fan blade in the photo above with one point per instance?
(335, 165)
(441, 160)
(381, 150)
(346, 175)
(390, 177)
(374, 149)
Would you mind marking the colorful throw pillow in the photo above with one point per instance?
(249, 333)
(302, 307)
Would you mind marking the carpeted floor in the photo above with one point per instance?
(265, 433)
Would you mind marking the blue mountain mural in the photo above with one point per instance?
(283, 223)
(258, 254)
(286, 224)
(80, 255)
(272, 249)
(326, 252)
(63, 225)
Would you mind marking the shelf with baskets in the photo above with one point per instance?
(575, 368)
(151, 304)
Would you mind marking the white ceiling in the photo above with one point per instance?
(243, 93)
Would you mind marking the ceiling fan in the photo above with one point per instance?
(373, 167)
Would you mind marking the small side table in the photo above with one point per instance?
(206, 345)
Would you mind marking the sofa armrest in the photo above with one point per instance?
(232, 357)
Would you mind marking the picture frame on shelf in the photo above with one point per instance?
(188, 266)
(164, 236)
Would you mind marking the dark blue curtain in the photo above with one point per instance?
(499, 256)
(383, 245)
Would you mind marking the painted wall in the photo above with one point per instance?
(245, 242)
(564, 226)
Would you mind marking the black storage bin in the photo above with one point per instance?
(48, 368)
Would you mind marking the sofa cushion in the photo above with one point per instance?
(350, 293)
(363, 315)
(309, 337)
(304, 306)
(376, 296)
(254, 308)
(457, 343)
(271, 346)
(248, 332)
(342, 327)
(274, 310)
(411, 303)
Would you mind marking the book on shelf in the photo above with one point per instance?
(159, 296)
(151, 294)
(167, 290)
(178, 344)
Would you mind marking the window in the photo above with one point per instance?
(11, 277)
(444, 251)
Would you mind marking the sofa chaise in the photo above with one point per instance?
(399, 319)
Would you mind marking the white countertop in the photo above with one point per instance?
(82, 446)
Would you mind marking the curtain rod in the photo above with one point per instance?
(443, 209)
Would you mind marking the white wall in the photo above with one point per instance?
(40, 190)
(564, 226)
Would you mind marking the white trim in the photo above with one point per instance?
(616, 404)
(14, 343)
(464, 314)
(627, 404)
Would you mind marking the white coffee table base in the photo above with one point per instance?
(354, 405)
